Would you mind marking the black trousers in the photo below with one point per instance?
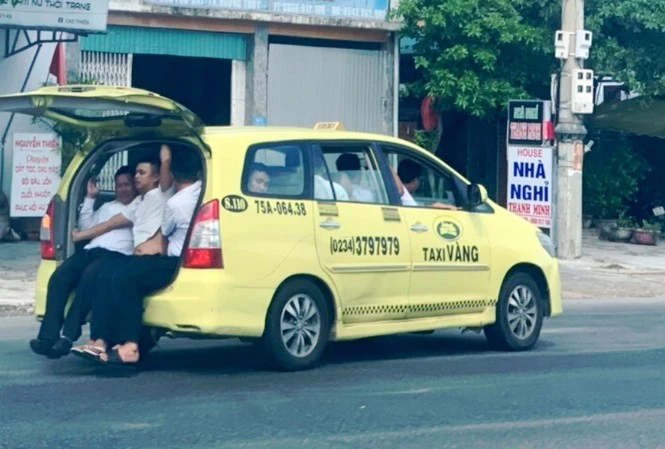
(117, 313)
(68, 276)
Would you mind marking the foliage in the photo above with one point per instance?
(612, 173)
(474, 55)
(625, 222)
(629, 42)
(427, 140)
(650, 226)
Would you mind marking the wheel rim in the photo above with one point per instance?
(522, 312)
(300, 325)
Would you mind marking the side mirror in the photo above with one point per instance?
(477, 195)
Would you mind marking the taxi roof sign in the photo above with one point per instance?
(334, 126)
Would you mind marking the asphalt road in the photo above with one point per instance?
(596, 380)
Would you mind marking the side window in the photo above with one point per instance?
(348, 172)
(274, 170)
(429, 185)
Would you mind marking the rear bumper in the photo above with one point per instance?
(207, 305)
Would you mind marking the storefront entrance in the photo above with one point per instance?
(201, 84)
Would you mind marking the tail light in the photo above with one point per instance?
(204, 248)
(47, 234)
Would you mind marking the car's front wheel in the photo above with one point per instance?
(519, 315)
(297, 326)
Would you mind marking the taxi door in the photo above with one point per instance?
(363, 246)
(449, 248)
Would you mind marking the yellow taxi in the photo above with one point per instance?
(303, 236)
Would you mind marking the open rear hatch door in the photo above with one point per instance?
(104, 112)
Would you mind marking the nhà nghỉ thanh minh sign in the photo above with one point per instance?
(530, 184)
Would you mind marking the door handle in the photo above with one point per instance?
(419, 228)
(330, 225)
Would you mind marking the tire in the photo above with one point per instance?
(303, 347)
(525, 294)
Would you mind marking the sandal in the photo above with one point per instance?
(88, 352)
(115, 361)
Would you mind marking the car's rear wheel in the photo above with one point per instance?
(519, 315)
(297, 326)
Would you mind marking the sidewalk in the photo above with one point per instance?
(614, 270)
(18, 270)
(606, 270)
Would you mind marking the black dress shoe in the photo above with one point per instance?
(61, 348)
(41, 347)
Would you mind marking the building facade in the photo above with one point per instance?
(253, 62)
(232, 62)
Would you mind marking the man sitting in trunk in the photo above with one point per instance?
(121, 297)
(154, 183)
(70, 274)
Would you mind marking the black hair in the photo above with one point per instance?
(154, 162)
(124, 170)
(258, 166)
(348, 162)
(185, 166)
(409, 170)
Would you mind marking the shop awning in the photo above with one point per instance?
(160, 41)
(642, 116)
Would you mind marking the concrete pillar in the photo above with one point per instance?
(73, 61)
(238, 93)
(391, 83)
(257, 78)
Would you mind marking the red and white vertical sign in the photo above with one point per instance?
(530, 184)
(35, 173)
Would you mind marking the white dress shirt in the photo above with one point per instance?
(362, 195)
(119, 240)
(323, 191)
(178, 216)
(407, 199)
(146, 213)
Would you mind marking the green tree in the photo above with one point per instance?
(475, 55)
(629, 42)
(612, 174)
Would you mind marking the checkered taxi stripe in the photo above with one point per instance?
(430, 309)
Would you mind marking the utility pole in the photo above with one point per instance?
(570, 132)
